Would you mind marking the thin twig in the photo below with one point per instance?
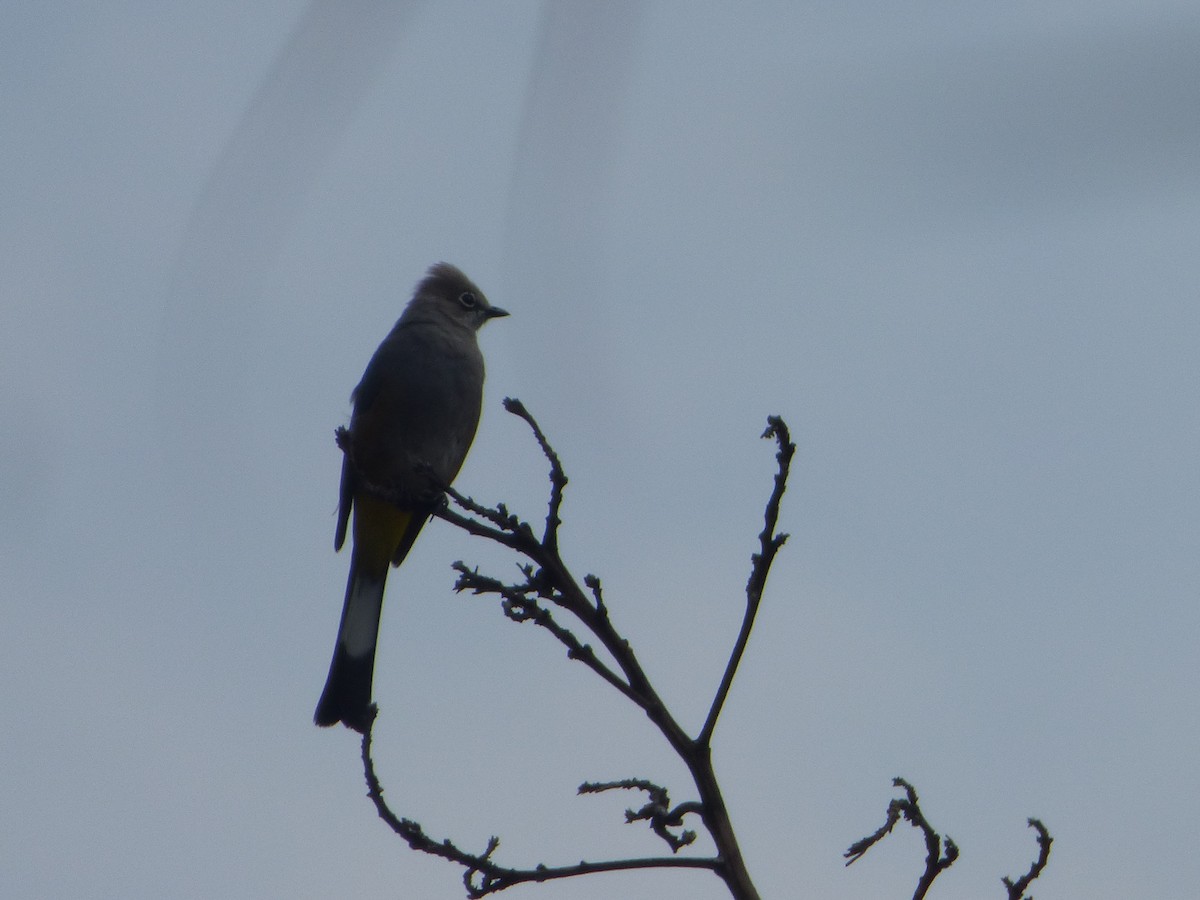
(1016, 889)
(937, 860)
(657, 811)
(520, 607)
(760, 564)
(558, 478)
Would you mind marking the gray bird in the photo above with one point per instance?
(415, 414)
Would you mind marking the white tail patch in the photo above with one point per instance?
(361, 627)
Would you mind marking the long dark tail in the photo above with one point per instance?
(347, 694)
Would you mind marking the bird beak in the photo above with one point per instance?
(495, 312)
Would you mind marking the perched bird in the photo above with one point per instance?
(415, 414)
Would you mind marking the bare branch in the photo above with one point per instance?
(553, 581)
(908, 807)
(658, 811)
(549, 588)
(1016, 889)
(558, 478)
(760, 564)
(519, 606)
(483, 876)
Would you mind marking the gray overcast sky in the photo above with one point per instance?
(955, 246)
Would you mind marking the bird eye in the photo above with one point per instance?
(468, 300)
